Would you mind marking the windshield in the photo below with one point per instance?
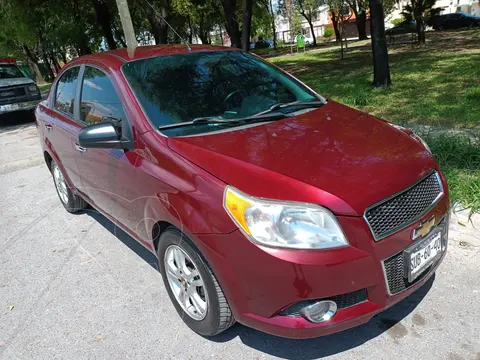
(10, 71)
(218, 84)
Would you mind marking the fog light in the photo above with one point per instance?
(320, 311)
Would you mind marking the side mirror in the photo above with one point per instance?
(103, 135)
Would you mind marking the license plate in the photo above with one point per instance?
(423, 254)
(9, 107)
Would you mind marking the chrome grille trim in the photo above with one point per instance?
(403, 225)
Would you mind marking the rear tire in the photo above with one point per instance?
(70, 202)
(218, 317)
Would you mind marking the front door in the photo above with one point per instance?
(61, 130)
(106, 173)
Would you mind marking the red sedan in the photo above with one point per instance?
(264, 202)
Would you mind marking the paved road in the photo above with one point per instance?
(81, 289)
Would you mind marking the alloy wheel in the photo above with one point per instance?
(186, 282)
(60, 184)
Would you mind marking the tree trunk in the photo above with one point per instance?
(313, 33)
(159, 27)
(105, 19)
(83, 47)
(381, 69)
(33, 65)
(203, 31)
(335, 26)
(119, 36)
(229, 8)
(55, 63)
(51, 76)
(420, 27)
(63, 54)
(361, 22)
(274, 27)
(247, 24)
(190, 30)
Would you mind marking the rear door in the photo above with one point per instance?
(60, 128)
(107, 174)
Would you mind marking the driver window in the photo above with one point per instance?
(99, 100)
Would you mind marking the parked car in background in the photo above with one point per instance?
(405, 27)
(17, 92)
(263, 202)
(454, 21)
(263, 44)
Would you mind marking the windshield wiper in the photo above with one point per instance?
(298, 104)
(271, 116)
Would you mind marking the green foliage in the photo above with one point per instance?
(459, 158)
(420, 10)
(328, 33)
(389, 6)
(197, 17)
(397, 21)
(261, 20)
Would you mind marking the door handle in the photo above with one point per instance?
(80, 148)
(48, 127)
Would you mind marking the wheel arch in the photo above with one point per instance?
(48, 160)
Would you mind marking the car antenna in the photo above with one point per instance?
(170, 26)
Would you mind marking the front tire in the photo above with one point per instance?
(70, 202)
(192, 286)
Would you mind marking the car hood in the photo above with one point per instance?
(16, 81)
(354, 159)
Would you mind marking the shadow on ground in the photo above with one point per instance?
(387, 321)
(121, 235)
(16, 121)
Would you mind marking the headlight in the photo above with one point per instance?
(284, 224)
(33, 88)
(412, 135)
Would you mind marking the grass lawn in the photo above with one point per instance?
(438, 85)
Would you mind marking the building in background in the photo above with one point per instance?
(448, 6)
(322, 21)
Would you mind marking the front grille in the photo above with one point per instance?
(16, 94)
(343, 301)
(402, 209)
(11, 92)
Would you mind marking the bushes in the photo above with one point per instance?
(397, 21)
(328, 33)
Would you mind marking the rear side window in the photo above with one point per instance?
(66, 89)
(99, 101)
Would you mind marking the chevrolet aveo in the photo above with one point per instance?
(264, 202)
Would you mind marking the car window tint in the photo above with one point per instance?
(66, 89)
(219, 84)
(99, 98)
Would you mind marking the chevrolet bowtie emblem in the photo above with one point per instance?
(424, 228)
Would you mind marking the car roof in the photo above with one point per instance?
(143, 52)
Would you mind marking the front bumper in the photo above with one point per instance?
(25, 105)
(260, 282)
